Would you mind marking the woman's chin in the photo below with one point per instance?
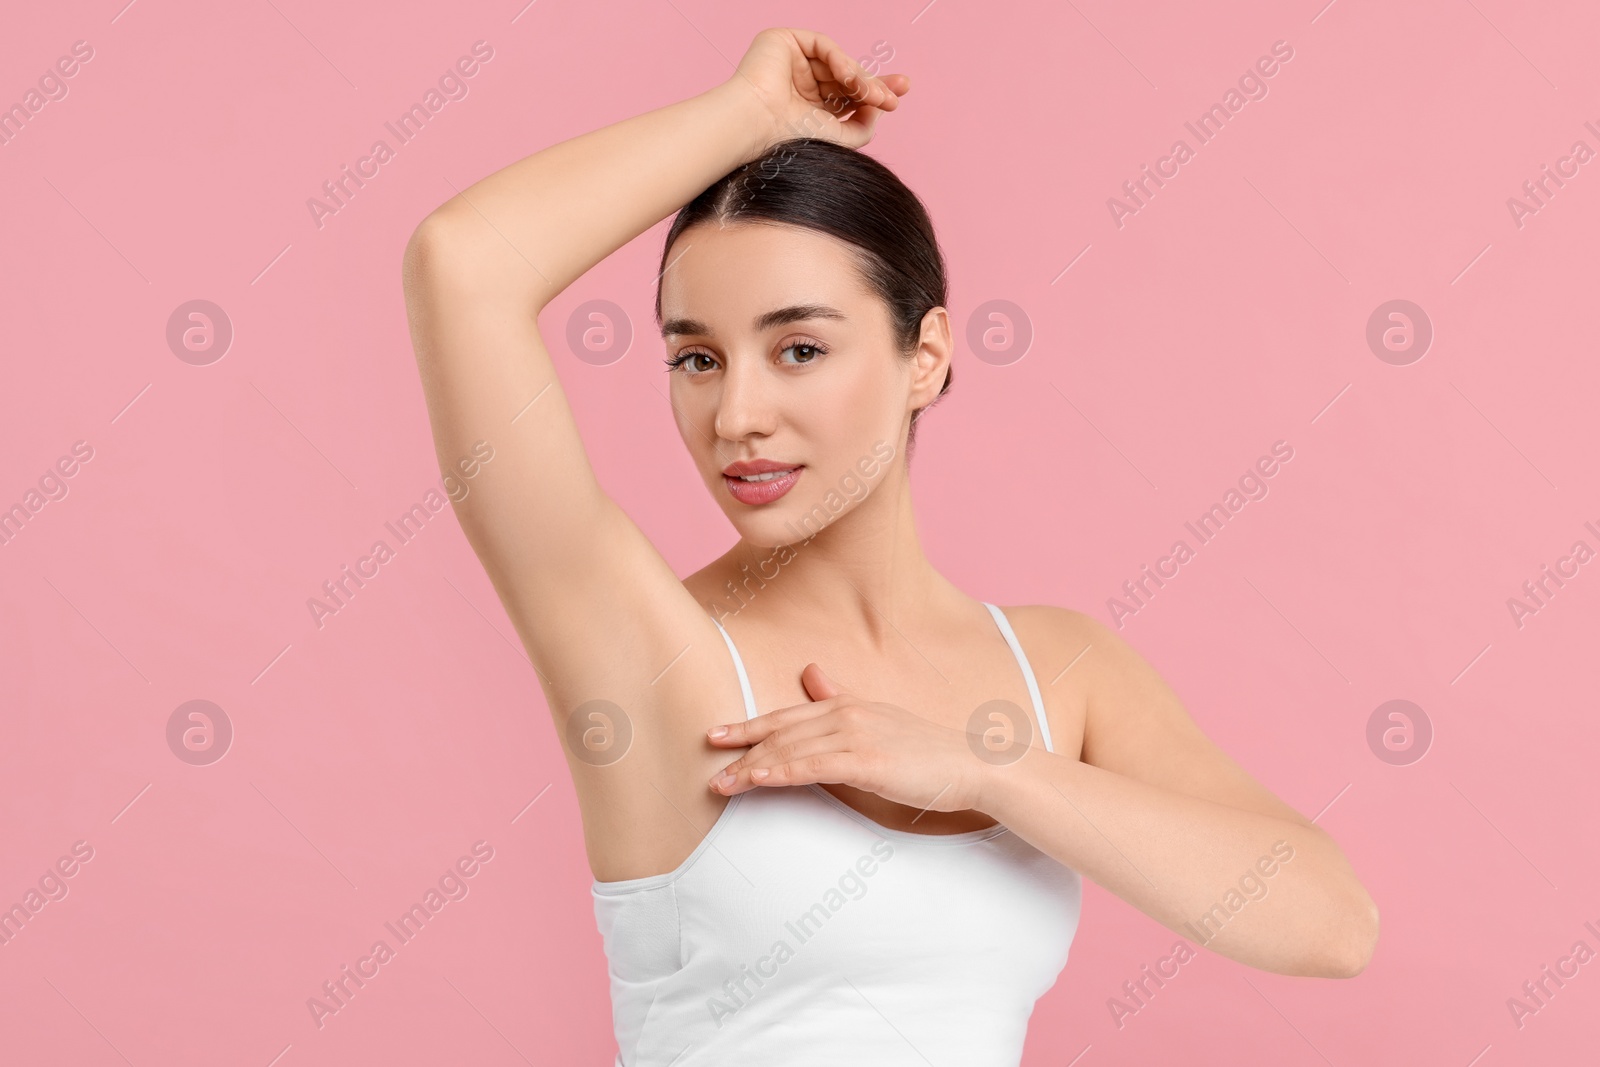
(769, 530)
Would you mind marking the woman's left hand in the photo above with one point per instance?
(841, 738)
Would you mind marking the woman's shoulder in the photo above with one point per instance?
(1050, 627)
(1057, 641)
(1075, 644)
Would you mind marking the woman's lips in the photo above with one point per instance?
(761, 492)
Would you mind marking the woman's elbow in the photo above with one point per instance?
(432, 245)
(1348, 954)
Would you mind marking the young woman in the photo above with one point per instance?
(830, 808)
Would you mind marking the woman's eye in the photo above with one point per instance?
(806, 352)
(811, 351)
(685, 360)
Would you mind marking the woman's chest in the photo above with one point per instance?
(789, 853)
(981, 691)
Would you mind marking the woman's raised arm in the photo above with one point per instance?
(573, 572)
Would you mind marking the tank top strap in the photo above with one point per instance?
(744, 679)
(1027, 672)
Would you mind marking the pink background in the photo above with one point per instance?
(1230, 312)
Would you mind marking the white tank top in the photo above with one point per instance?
(802, 932)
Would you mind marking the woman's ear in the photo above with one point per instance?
(935, 349)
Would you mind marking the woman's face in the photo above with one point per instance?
(787, 360)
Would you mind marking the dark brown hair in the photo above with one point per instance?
(839, 191)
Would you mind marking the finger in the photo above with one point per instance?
(831, 98)
(816, 761)
(818, 684)
(859, 126)
(850, 78)
(857, 83)
(778, 746)
(840, 97)
(753, 731)
(812, 65)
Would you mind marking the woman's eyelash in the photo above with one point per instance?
(821, 349)
(674, 362)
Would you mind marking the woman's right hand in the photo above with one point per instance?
(811, 88)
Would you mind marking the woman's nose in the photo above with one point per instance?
(745, 403)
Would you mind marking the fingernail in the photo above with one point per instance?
(759, 774)
(718, 731)
(726, 780)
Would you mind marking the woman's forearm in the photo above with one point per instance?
(1268, 892)
(563, 209)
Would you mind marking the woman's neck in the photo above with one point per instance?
(864, 573)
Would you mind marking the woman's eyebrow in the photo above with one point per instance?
(766, 321)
